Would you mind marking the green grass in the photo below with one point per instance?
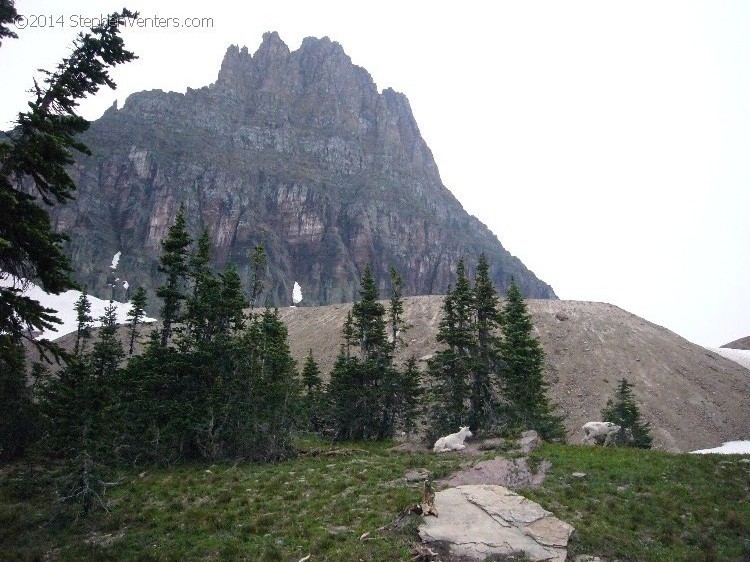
(632, 505)
(649, 505)
(317, 504)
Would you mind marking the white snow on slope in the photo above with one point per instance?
(741, 356)
(64, 304)
(296, 293)
(115, 260)
(728, 448)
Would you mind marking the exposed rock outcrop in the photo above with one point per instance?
(479, 521)
(294, 150)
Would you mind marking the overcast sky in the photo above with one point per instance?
(606, 144)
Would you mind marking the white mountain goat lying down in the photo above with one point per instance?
(452, 442)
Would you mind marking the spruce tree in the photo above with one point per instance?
(411, 391)
(233, 301)
(312, 401)
(364, 392)
(368, 317)
(311, 374)
(202, 306)
(525, 387)
(174, 263)
(487, 364)
(136, 314)
(348, 334)
(82, 309)
(451, 367)
(34, 160)
(107, 353)
(18, 413)
(396, 323)
(623, 411)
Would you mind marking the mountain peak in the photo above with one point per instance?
(296, 151)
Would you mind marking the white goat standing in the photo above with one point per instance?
(598, 432)
(452, 442)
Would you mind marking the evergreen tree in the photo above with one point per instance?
(233, 301)
(34, 158)
(202, 312)
(396, 323)
(265, 410)
(525, 387)
(363, 393)
(18, 415)
(451, 368)
(347, 398)
(411, 392)
(624, 411)
(487, 363)
(174, 263)
(368, 316)
(107, 353)
(311, 374)
(82, 309)
(136, 314)
(348, 334)
(313, 399)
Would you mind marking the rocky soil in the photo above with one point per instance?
(693, 397)
(742, 343)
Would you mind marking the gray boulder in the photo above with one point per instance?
(477, 521)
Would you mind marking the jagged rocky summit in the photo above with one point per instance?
(296, 151)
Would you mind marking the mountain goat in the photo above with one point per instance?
(452, 442)
(598, 432)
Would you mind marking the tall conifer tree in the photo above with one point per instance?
(487, 364)
(525, 386)
(136, 314)
(174, 264)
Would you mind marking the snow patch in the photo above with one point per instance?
(296, 293)
(115, 260)
(728, 448)
(741, 356)
(125, 285)
(64, 304)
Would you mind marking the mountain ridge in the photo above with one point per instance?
(297, 151)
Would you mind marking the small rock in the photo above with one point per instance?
(744, 461)
(336, 531)
(578, 475)
(586, 558)
(528, 441)
(492, 443)
(561, 316)
(425, 357)
(416, 475)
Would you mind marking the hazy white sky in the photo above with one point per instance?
(605, 143)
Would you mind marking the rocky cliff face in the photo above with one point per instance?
(295, 151)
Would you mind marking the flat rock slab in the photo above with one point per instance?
(511, 473)
(477, 521)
